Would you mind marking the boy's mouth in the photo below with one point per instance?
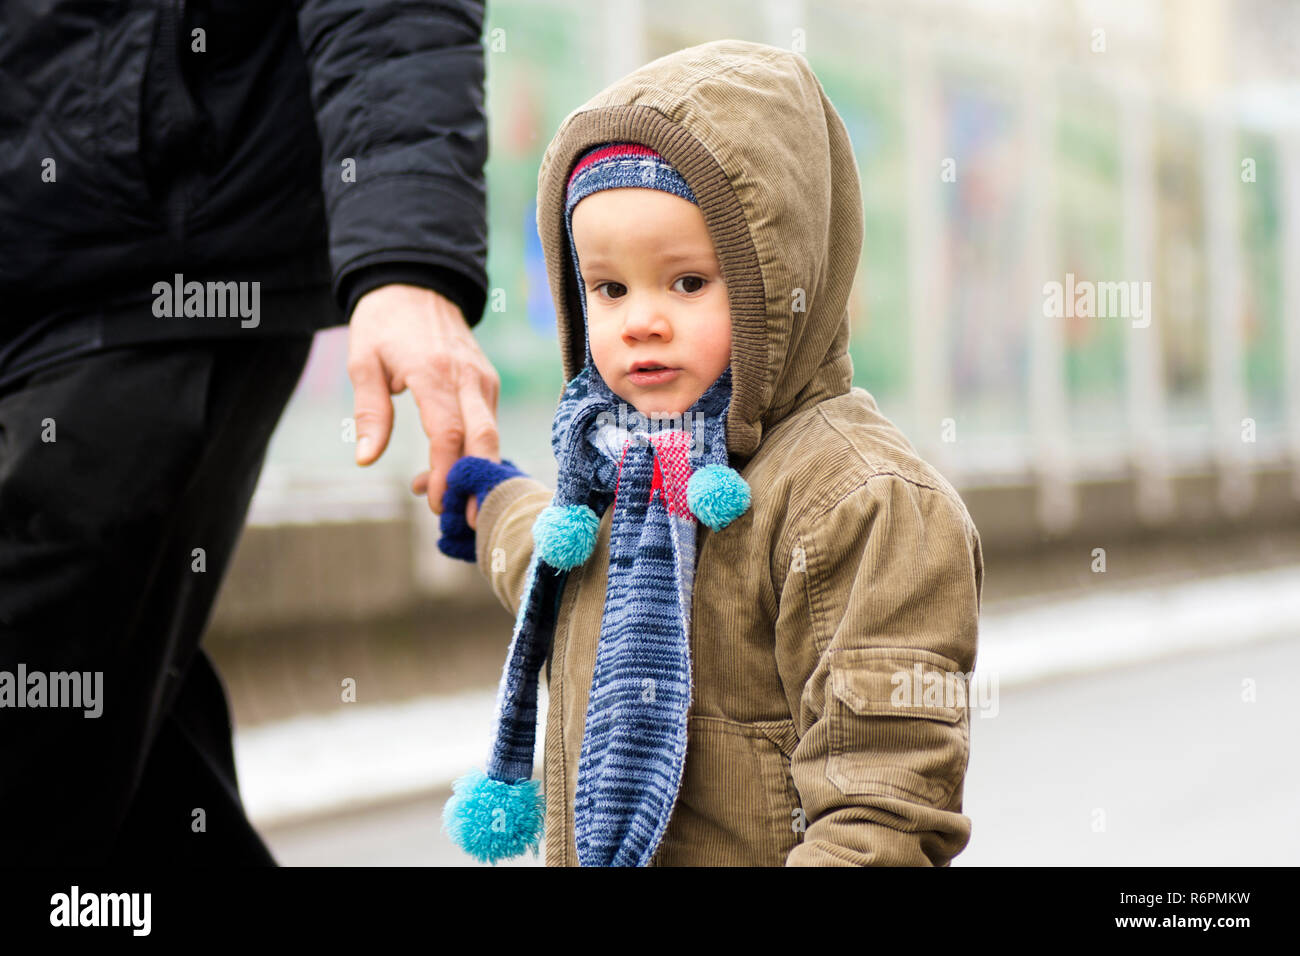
(650, 373)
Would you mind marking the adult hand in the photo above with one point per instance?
(404, 336)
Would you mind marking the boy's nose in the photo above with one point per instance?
(646, 319)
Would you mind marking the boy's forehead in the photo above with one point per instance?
(644, 200)
(670, 225)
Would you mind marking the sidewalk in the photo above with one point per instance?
(297, 769)
(1165, 763)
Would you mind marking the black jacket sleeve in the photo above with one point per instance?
(398, 93)
(445, 282)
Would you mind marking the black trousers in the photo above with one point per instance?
(125, 480)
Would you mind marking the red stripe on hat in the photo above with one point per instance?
(616, 151)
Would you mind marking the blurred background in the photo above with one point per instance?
(1131, 458)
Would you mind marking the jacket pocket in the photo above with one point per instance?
(778, 781)
(899, 724)
(737, 805)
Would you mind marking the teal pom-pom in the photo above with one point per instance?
(565, 535)
(717, 495)
(493, 820)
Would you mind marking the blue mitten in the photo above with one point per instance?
(469, 476)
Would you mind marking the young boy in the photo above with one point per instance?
(746, 573)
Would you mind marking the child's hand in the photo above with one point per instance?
(468, 480)
(420, 486)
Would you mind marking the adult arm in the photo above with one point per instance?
(398, 95)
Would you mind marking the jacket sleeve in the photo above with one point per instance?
(398, 91)
(504, 535)
(876, 639)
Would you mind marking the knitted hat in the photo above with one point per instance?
(634, 746)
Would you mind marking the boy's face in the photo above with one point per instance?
(654, 294)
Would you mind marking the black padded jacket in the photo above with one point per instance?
(318, 148)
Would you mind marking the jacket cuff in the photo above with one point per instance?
(495, 505)
(446, 282)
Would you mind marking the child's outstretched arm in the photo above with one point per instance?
(501, 541)
(878, 623)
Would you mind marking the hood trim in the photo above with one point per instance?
(728, 229)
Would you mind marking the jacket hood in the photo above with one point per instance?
(750, 129)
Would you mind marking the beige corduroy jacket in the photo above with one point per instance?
(856, 562)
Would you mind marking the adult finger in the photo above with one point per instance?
(372, 405)
(444, 401)
(439, 410)
(420, 485)
(481, 436)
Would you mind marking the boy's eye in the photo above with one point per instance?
(695, 279)
(622, 289)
